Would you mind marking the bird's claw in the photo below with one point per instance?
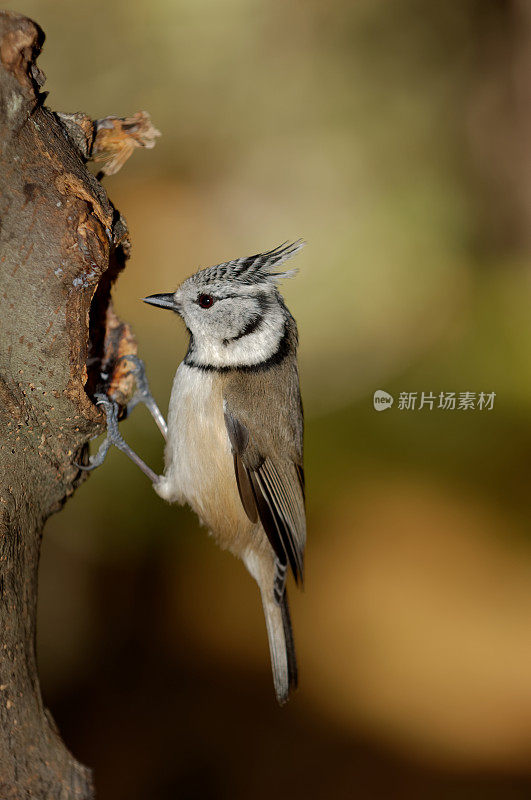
(97, 460)
(112, 410)
(143, 393)
(114, 437)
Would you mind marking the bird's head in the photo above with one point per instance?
(233, 311)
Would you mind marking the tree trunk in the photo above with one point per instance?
(61, 246)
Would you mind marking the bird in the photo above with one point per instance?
(234, 435)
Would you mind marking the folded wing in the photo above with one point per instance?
(271, 489)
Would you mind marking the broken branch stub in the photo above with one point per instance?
(117, 137)
(62, 245)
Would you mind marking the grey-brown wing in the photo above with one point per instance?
(271, 489)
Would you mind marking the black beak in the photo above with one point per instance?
(162, 301)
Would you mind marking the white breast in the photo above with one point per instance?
(199, 463)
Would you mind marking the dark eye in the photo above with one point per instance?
(205, 300)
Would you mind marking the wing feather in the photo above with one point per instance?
(268, 520)
(245, 489)
(271, 489)
(284, 513)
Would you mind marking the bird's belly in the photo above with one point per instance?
(199, 463)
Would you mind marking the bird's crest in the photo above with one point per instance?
(254, 269)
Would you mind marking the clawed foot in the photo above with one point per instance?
(143, 393)
(114, 437)
(112, 409)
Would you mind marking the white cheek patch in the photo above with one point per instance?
(250, 349)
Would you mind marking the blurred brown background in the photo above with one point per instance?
(394, 137)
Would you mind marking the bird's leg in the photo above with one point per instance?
(143, 394)
(114, 437)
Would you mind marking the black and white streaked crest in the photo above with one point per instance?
(251, 270)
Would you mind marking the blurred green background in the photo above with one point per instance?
(393, 137)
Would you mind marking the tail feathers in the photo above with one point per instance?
(293, 673)
(281, 646)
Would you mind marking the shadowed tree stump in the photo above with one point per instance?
(61, 246)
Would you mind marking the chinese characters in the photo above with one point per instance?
(446, 401)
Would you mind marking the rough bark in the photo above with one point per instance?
(61, 246)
